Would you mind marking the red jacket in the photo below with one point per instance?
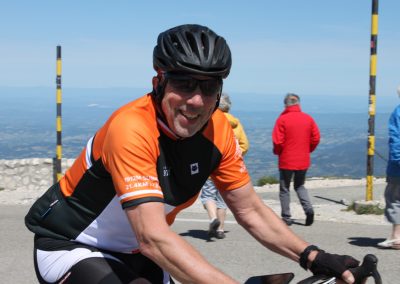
(294, 137)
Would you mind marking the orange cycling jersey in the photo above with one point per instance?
(132, 159)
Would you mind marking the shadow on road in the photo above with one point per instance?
(329, 199)
(199, 234)
(365, 241)
(295, 222)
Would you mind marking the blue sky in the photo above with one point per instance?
(315, 47)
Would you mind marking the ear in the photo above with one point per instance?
(155, 81)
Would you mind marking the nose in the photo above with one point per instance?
(196, 97)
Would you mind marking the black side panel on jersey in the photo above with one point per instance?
(95, 190)
(54, 215)
(183, 168)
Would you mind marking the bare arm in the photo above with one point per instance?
(159, 243)
(265, 226)
(262, 223)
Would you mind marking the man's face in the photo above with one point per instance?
(187, 112)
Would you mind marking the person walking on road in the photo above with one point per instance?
(392, 191)
(210, 196)
(295, 136)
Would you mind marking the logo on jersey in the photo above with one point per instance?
(194, 168)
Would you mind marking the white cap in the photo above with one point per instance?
(398, 90)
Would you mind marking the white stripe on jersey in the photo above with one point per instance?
(88, 153)
(140, 192)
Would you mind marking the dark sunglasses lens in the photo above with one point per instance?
(183, 85)
(210, 87)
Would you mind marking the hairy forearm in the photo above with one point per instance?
(181, 260)
(170, 251)
(265, 226)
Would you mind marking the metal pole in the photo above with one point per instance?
(58, 119)
(372, 100)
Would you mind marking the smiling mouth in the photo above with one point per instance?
(189, 116)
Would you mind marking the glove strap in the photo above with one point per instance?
(304, 255)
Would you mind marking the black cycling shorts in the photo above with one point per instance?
(63, 261)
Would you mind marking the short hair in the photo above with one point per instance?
(291, 99)
(225, 103)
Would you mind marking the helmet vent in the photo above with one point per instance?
(177, 44)
(206, 44)
(192, 43)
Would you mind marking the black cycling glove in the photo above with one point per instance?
(332, 264)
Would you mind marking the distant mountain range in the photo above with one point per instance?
(27, 126)
(341, 153)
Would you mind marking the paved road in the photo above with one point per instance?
(15, 246)
(238, 255)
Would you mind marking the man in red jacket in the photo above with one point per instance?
(294, 137)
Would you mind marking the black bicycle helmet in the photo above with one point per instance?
(192, 49)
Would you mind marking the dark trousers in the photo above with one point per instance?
(299, 177)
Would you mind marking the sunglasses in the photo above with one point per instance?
(187, 84)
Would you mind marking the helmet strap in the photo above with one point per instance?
(158, 94)
(219, 96)
(158, 91)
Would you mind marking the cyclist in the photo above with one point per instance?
(107, 220)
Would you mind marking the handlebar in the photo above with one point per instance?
(368, 268)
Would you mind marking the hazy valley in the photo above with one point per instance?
(27, 127)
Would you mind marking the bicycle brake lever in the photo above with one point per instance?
(367, 269)
(377, 277)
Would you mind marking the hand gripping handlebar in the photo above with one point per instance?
(368, 268)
